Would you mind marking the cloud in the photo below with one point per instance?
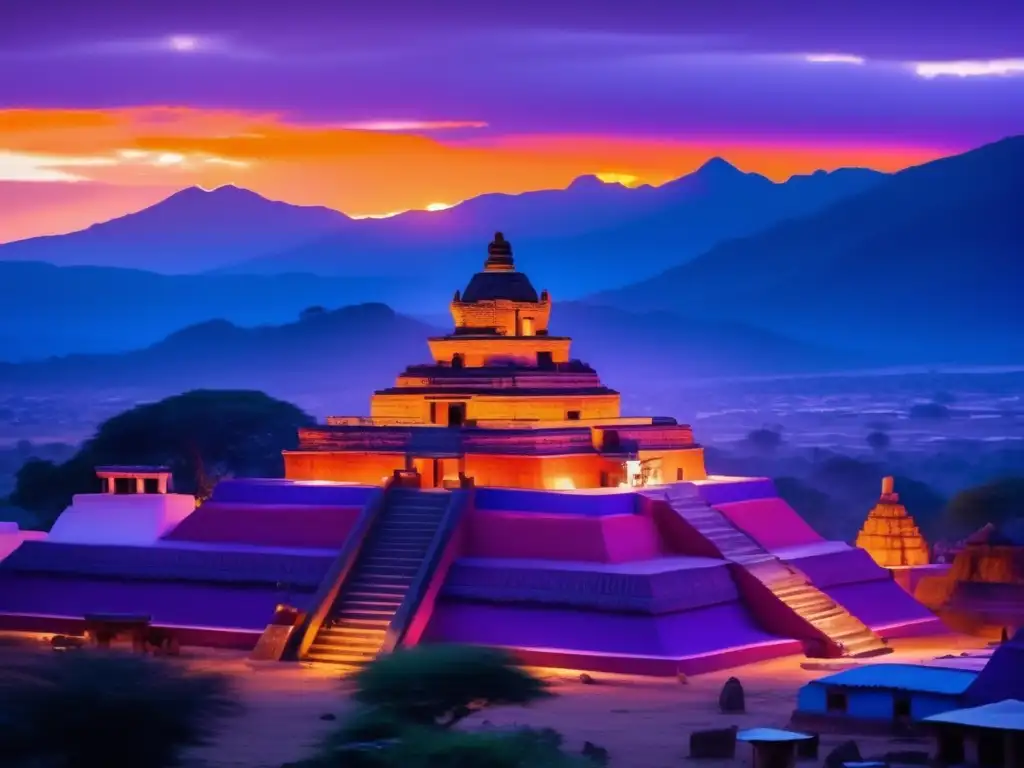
(834, 58)
(411, 125)
(369, 167)
(175, 44)
(969, 68)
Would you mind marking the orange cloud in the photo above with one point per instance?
(384, 166)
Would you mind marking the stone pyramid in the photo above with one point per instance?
(890, 535)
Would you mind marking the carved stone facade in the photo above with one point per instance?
(503, 403)
(889, 534)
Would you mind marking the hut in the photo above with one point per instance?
(989, 736)
(888, 695)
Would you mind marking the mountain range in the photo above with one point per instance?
(922, 266)
(572, 240)
(925, 266)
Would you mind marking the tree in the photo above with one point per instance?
(81, 710)
(997, 502)
(765, 440)
(310, 313)
(201, 435)
(879, 441)
(439, 685)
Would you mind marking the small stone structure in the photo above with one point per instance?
(890, 535)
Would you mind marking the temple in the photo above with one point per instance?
(889, 534)
(494, 496)
(529, 415)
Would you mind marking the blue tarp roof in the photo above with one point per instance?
(904, 677)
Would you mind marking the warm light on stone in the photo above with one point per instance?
(890, 535)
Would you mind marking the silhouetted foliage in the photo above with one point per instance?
(201, 435)
(879, 441)
(929, 411)
(998, 502)
(310, 312)
(765, 439)
(442, 684)
(90, 709)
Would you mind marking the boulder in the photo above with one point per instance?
(732, 700)
(808, 748)
(847, 752)
(719, 744)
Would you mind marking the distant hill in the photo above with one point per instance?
(340, 356)
(572, 240)
(926, 266)
(47, 310)
(193, 230)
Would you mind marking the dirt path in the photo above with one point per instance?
(643, 722)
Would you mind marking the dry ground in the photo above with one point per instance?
(643, 722)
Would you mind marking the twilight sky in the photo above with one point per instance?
(376, 106)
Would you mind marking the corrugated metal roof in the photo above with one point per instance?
(904, 677)
(1005, 715)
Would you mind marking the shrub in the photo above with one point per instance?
(438, 685)
(91, 709)
(525, 748)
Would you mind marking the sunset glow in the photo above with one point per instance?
(141, 154)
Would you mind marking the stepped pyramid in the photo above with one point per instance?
(889, 534)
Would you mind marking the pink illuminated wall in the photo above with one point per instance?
(772, 523)
(533, 536)
(267, 525)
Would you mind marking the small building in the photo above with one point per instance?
(890, 535)
(989, 736)
(135, 508)
(893, 694)
(982, 592)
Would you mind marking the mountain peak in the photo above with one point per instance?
(206, 195)
(717, 166)
(588, 181)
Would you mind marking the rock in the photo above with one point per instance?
(594, 753)
(328, 717)
(719, 744)
(808, 748)
(586, 679)
(731, 700)
(847, 752)
(908, 757)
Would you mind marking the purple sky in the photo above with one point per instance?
(619, 67)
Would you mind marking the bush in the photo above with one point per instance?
(91, 709)
(438, 685)
(524, 748)
(427, 747)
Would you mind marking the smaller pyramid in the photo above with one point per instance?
(890, 535)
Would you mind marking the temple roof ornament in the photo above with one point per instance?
(499, 255)
(499, 281)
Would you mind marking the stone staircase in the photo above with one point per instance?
(356, 625)
(849, 634)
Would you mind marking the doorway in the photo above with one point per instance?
(545, 360)
(456, 414)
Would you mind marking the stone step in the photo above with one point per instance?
(341, 658)
(366, 610)
(359, 621)
(350, 642)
